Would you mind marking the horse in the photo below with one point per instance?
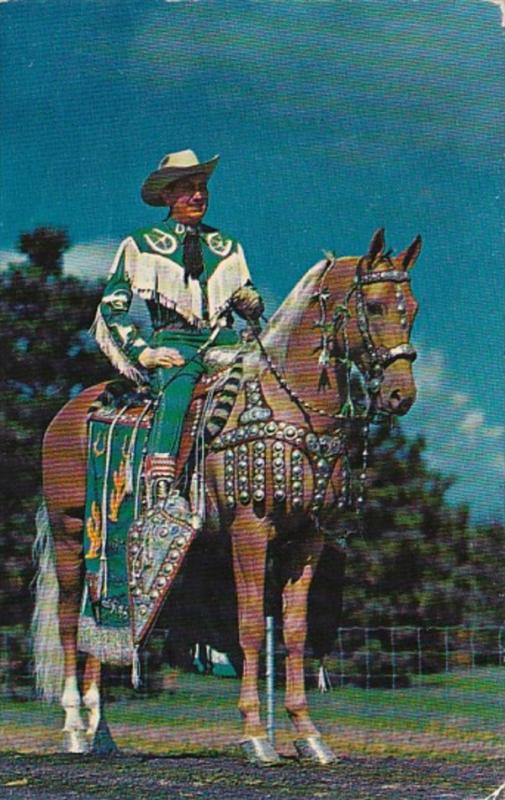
(277, 467)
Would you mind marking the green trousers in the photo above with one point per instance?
(177, 383)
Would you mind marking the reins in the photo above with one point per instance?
(379, 359)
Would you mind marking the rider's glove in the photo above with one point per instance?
(248, 303)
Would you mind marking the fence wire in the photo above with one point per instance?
(389, 657)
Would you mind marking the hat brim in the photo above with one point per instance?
(161, 178)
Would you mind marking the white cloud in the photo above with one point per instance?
(91, 260)
(8, 256)
(472, 421)
(430, 373)
(459, 399)
(501, 6)
(461, 440)
(499, 462)
(494, 431)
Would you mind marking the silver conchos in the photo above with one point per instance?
(243, 482)
(288, 449)
(256, 410)
(229, 477)
(296, 479)
(278, 472)
(258, 471)
(157, 545)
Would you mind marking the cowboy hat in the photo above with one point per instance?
(173, 167)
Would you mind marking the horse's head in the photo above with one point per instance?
(375, 325)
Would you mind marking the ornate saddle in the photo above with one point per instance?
(132, 553)
(121, 403)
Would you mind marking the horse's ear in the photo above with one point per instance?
(409, 256)
(377, 246)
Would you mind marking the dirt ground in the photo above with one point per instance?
(230, 778)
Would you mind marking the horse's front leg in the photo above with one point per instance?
(91, 697)
(301, 568)
(249, 542)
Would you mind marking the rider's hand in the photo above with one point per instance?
(248, 303)
(167, 357)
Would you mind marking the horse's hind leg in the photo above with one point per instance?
(101, 741)
(301, 569)
(68, 550)
(249, 540)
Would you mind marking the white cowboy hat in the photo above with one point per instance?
(173, 167)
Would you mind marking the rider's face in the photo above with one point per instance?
(188, 199)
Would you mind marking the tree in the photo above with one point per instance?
(419, 562)
(47, 357)
(45, 248)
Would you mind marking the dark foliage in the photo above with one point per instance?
(47, 358)
(419, 561)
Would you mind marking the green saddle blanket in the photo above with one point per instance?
(132, 554)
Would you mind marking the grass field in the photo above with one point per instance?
(458, 717)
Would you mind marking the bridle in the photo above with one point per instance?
(379, 357)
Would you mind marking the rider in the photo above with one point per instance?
(188, 273)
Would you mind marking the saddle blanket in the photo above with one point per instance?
(132, 555)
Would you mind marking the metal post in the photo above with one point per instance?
(419, 654)
(270, 654)
(341, 656)
(367, 659)
(446, 648)
(393, 658)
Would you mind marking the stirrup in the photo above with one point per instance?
(160, 491)
(159, 473)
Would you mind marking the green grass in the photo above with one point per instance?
(458, 716)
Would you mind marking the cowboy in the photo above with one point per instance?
(188, 273)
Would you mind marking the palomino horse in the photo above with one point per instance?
(277, 466)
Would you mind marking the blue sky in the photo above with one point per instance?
(331, 118)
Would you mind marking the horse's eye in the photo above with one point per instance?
(375, 309)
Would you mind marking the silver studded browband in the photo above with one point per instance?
(395, 275)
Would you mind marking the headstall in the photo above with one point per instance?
(245, 447)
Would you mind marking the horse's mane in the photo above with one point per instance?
(288, 316)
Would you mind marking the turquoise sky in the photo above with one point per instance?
(331, 118)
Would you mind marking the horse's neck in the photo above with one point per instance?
(292, 336)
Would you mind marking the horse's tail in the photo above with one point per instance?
(47, 649)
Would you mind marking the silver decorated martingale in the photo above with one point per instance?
(229, 476)
(243, 473)
(259, 440)
(256, 409)
(296, 479)
(278, 471)
(258, 474)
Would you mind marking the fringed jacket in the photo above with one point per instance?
(149, 264)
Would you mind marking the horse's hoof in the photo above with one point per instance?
(259, 751)
(313, 750)
(103, 743)
(75, 742)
